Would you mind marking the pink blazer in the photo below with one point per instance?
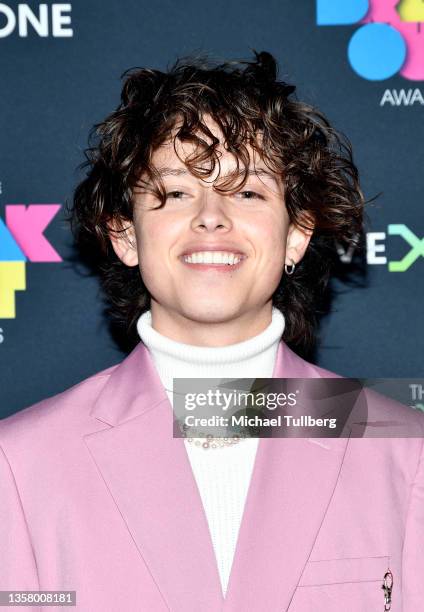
(98, 497)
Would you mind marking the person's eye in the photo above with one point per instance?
(175, 195)
(249, 195)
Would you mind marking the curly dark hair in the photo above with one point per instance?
(246, 100)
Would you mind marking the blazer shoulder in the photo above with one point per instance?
(379, 406)
(291, 364)
(60, 410)
(398, 414)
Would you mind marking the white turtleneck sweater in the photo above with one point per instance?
(222, 474)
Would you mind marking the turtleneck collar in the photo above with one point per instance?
(252, 358)
(191, 354)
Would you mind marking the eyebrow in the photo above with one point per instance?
(166, 171)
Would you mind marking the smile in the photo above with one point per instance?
(220, 260)
(213, 257)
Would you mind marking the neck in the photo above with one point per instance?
(210, 333)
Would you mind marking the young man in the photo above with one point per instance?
(213, 199)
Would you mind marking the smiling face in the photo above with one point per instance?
(211, 260)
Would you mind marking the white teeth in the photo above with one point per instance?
(213, 257)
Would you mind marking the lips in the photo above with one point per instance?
(213, 267)
(224, 247)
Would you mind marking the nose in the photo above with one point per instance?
(212, 212)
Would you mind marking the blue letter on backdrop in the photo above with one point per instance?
(9, 250)
(340, 12)
(377, 51)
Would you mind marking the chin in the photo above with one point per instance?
(211, 313)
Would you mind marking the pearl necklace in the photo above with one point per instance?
(212, 442)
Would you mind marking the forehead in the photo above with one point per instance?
(174, 153)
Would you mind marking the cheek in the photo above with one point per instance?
(155, 239)
(270, 239)
(147, 231)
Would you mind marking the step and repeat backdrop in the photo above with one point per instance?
(360, 61)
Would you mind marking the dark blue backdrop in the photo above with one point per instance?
(55, 87)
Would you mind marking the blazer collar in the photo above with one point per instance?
(149, 476)
(135, 386)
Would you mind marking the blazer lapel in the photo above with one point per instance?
(290, 490)
(148, 474)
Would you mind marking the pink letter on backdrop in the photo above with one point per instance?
(27, 225)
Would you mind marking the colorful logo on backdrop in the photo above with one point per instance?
(22, 240)
(390, 38)
(376, 253)
(376, 247)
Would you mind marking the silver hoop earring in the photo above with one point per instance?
(292, 267)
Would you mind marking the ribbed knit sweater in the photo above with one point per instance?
(222, 474)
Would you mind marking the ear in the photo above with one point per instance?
(123, 239)
(297, 242)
